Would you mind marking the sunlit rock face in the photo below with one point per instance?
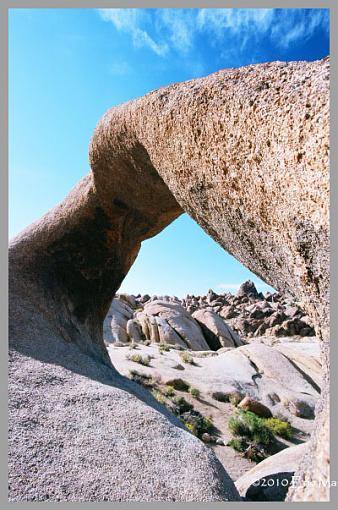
(246, 153)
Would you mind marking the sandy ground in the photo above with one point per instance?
(162, 368)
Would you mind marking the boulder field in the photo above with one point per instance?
(205, 322)
(246, 153)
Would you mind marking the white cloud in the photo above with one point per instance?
(142, 38)
(129, 21)
(180, 25)
(295, 25)
(235, 20)
(164, 30)
(123, 19)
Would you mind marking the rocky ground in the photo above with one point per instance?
(202, 356)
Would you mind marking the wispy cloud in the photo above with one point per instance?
(131, 21)
(166, 30)
(298, 25)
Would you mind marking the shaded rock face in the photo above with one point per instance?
(197, 146)
(271, 479)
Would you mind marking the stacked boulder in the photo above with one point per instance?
(205, 322)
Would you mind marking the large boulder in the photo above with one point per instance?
(216, 331)
(271, 478)
(86, 419)
(197, 146)
(115, 323)
(247, 289)
(174, 324)
(249, 404)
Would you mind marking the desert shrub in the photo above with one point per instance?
(196, 422)
(279, 427)
(159, 397)
(187, 358)
(237, 427)
(168, 391)
(144, 379)
(181, 404)
(251, 426)
(164, 348)
(235, 397)
(207, 425)
(238, 443)
(194, 392)
(191, 427)
(137, 358)
(178, 384)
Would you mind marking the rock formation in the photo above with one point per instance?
(199, 322)
(245, 152)
(270, 480)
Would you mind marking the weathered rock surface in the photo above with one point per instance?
(271, 478)
(198, 146)
(174, 316)
(225, 320)
(214, 328)
(84, 433)
(249, 404)
(233, 371)
(115, 324)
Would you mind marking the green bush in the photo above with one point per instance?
(207, 425)
(181, 404)
(194, 392)
(192, 427)
(164, 348)
(238, 444)
(237, 427)
(168, 391)
(196, 422)
(137, 358)
(159, 397)
(279, 427)
(251, 426)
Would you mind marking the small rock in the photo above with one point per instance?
(249, 404)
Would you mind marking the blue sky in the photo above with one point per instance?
(68, 66)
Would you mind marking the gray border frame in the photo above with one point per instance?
(4, 6)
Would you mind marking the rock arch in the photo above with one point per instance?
(246, 153)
